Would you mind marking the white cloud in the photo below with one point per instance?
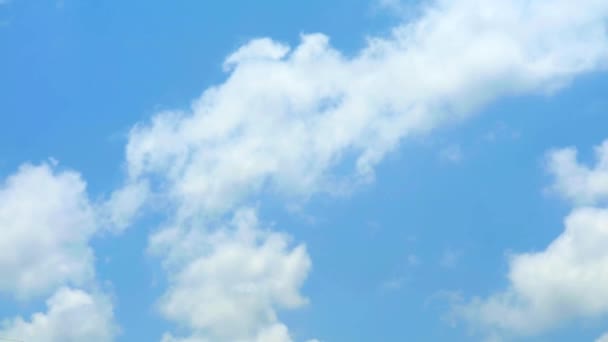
(72, 316)
(565, 281)
(227, 285)
(604, 338)
(46, 222)
(287, 117)
(124, 204)
(577, 182)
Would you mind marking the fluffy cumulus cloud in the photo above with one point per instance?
(568, 279)
(578, 182)
(565, 281)
(225, 285)
(47, 222)
(72, 316)
(604, 338)
(286, 117)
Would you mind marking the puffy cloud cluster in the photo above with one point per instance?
(47, 222)
(568, 279)
(72, 316)
(287, 118)
(225, 285)
(565, 281)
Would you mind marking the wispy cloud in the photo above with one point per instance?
(451, 154)
(450, 258)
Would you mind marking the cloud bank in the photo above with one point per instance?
(287, 118)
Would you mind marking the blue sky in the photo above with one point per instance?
(312, 171)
